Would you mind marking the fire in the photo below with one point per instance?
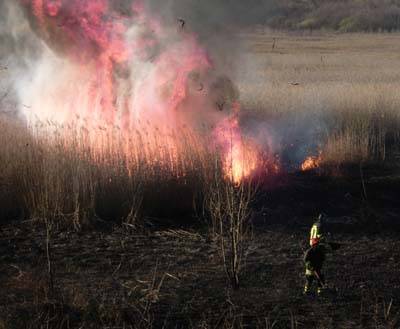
(129, 71)
(106, 71)
(311, 162)
(241, 162)
(111, 69)
(242, 157)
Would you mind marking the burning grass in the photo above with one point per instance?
(71, 175)
(338, 112)
(78, 174)
(129, 94)
(311, 162)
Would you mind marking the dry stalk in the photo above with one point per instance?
(228, 205)
(50, 269)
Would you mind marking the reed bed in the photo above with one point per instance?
(339, 90)
(76, 175)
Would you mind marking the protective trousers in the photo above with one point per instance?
(310, 277)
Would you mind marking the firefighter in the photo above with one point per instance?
(314, 258)
(317, 228)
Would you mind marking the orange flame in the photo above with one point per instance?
(241, 158)
(311, 162)
(241, 162)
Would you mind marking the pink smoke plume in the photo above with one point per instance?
(115, 69)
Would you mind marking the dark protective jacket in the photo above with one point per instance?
(314, 257)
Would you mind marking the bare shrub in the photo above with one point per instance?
(228, 206)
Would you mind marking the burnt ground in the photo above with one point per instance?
(172, 276)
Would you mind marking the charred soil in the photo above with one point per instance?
(172, 276)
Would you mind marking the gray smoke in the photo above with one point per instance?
(210, 16)
(19, 49)
(216, 23)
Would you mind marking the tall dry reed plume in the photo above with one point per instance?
(339, 90)
(70, 174)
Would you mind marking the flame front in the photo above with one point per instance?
(241, 162)
(311, 162)
(241, 157)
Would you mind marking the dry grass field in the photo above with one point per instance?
(331, 96)
(343, 86)
(116, 235)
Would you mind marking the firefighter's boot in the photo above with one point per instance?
(306, 290)
(321, 291)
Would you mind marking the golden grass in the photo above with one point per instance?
(348, 82)
(64, 173)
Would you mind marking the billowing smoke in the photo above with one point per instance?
(210, 16)
(19, 49)
(136, 65)
(216, 23)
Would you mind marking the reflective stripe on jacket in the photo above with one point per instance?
(315, 232)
